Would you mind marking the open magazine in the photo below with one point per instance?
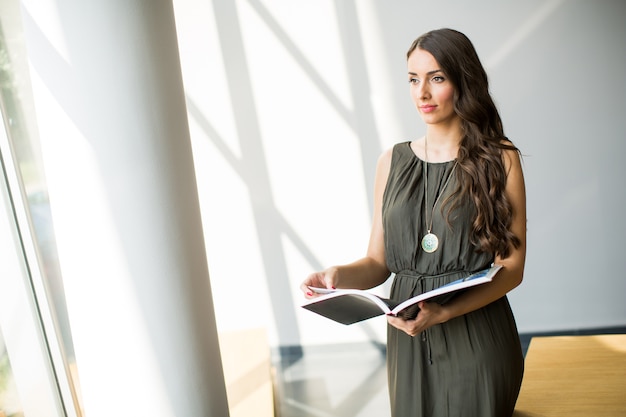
(350, 306)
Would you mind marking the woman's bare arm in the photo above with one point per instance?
(370, 270)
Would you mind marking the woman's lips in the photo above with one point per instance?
(427, 108)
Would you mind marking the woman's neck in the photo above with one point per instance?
(442, 144)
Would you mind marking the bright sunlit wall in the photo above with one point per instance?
(290, 104)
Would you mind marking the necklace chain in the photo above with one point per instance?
(430, 242)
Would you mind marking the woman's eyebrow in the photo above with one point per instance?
(428, 73)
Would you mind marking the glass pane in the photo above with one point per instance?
(18, 113)
(9, 402)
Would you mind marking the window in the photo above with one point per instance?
(42, 351)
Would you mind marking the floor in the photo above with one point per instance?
(346, 380)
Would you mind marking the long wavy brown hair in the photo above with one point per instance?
(482, 173)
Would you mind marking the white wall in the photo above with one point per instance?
(290, 103)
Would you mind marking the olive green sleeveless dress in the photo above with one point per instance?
(470, 366)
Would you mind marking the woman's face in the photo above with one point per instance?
(431, 91)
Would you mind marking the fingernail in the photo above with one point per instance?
(309, 293)
(333, 288)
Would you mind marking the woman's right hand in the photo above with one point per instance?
(322, 279)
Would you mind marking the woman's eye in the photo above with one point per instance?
(413, 80)
(438, 79)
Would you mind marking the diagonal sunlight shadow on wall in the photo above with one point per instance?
(530, 25)
(282, 226)
(216, 139)
(308, 68)
(253, 165)
(361, 119)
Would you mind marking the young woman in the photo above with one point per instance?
(448, 204)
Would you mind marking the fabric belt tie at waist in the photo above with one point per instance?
(408, 273)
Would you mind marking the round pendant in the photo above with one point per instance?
(430, 243)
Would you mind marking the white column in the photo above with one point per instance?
(113, 127)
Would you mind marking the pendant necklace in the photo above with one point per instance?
(430, 242)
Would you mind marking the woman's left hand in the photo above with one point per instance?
(429, 315)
